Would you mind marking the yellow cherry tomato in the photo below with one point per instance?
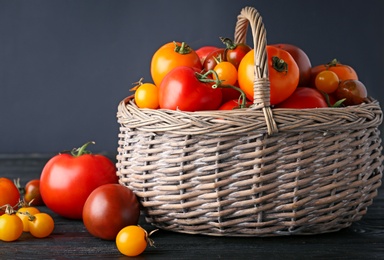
(147, 96)
(41, 225)
(11, 226)
(226, 72)
(23, 213)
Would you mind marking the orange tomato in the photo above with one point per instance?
(170, 56)
(283, 74)
(343, 71)
(9, 193)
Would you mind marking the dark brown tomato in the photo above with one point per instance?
(108, 209)
(354, 92)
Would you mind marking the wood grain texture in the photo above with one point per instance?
(70, 239)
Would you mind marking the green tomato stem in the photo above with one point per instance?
(182, 49)
(76, 152)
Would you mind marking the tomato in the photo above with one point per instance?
(182, 89)
(343, 71)
(304, 97)
(171, 55)
(203, 52)
(11, 226)
(67, 180)
(233, 104)
(226, 72)
(283, 74)
(147, 96)
(41, 225)
(24, 212)
(32, 193)
(302, 60)
(354, 92)
(133, 240)
(327, 81)
(234, 52)
(9, 193)
(213, 58)
(108, 209)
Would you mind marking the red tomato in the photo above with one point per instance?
(213, 58)
(302, 60)
(230, 93)
(182, 89)
(234, 52)
(203, 52)
(283, 74)
(67, 180)
(108, 209)
(304, 97)
(9, 193)
(32, 193)
(171, 55)
(233, 104)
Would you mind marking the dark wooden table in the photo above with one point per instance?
(70, 240)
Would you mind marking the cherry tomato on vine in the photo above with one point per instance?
(32, 193)
(226, 72)
(146, 95)
(354, 92)
(203, 52)
(327, 81)
(24, 212)
(283, 74)
(67, 180)
(304, 97)
(133, 240)
(234, 52)
(183, 88)
(11, 226)
(171, 55)
(41, 225)
(108, 209)
(302, 60)
(9, 193)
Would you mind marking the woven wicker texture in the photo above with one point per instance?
(255, 171)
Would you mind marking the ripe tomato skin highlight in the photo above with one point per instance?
(181, 89)
(203, 52)
(304, 97)
(166, 58)
(67, 180)
(9, 193)
(282, 83)
(302, 60)
(108, 209)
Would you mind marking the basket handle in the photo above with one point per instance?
(250, 15)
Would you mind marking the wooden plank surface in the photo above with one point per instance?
(70, 240)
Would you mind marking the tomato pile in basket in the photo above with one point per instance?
(222, 78)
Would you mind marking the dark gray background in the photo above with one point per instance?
(65, 65)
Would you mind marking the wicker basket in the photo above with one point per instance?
(251, 172)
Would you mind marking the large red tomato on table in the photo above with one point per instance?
(67, 180)
(108, 209)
